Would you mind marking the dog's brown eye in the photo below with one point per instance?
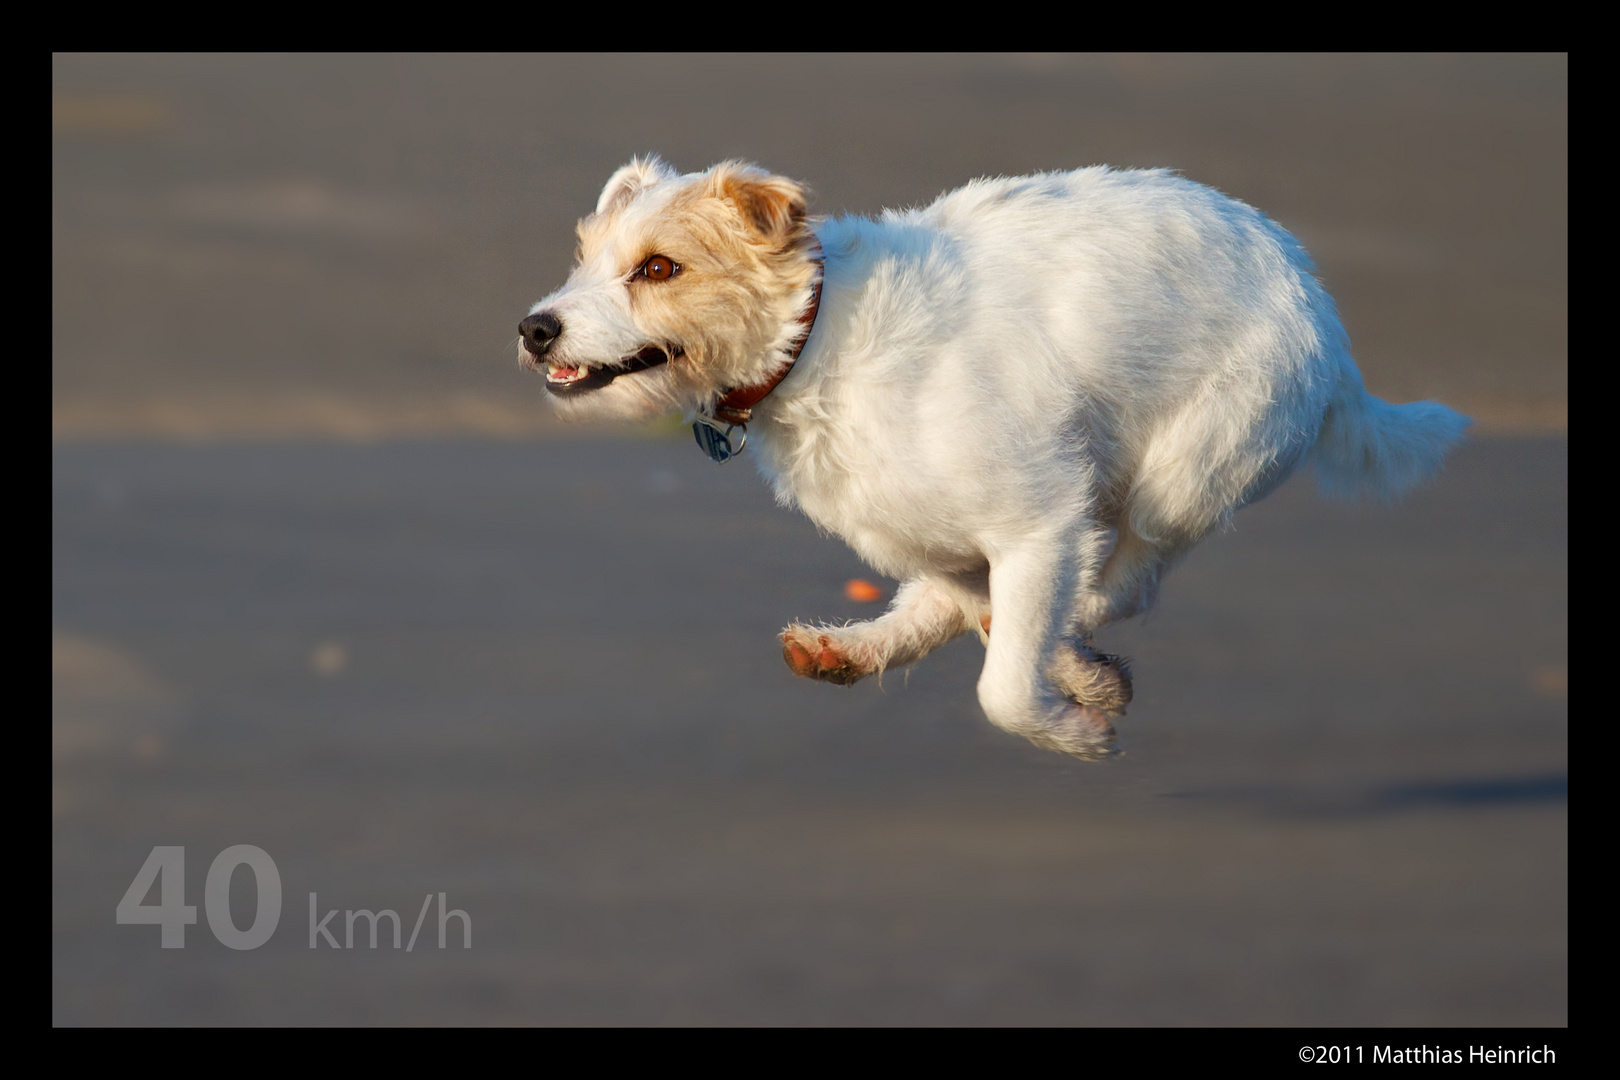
(659, 268)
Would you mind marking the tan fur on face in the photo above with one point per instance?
(738, 235)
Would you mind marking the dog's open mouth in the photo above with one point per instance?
(561, 379)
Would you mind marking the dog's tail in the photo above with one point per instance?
(1370, 448)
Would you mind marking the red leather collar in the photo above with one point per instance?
(736, 406)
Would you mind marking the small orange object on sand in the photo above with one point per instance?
(863, 591)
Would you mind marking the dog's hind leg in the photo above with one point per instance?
(1039, 680)
(1129, 582)
(924, 616)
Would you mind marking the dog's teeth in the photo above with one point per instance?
(560, 374)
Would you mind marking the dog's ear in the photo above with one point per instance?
(622, 186)
(772, 206)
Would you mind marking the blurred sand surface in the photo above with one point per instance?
(341, 246)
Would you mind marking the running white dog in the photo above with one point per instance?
(1029, 398)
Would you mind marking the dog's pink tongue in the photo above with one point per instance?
(566, 372)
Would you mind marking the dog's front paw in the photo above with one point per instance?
(815, 655)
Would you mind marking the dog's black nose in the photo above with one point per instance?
(539, 331)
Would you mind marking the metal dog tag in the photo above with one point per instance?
(717, 443)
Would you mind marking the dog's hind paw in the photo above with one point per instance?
(1097, 680)
(815, 655)
(1083, 731)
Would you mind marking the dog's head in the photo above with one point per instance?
(684, 286)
